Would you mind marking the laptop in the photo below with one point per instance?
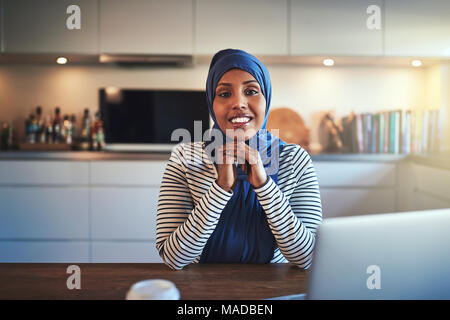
(402, 255)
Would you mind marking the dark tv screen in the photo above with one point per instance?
(150, 116)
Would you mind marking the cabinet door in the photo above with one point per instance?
(330, 27)
(256, 26)
(44, 213)
(27, 172)
(434, 182)
(355, 174)
(146, 26)
(124, 213)
(352, 202)
(424, 201)
(125, 252)
(127, 173)
(44, 252)
(40, 27)
(417, 28)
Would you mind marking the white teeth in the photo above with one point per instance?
(240, 120)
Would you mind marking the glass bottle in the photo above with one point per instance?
(48, 129)
(57, 126)
(85, 137)
(40, 128)
(73, 120)
(67, 130)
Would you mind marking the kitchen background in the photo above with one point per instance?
(372, 42)
(309, 90)
(78, 199)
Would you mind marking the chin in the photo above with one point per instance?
(247, 133)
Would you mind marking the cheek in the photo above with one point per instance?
(218, 112)
(261, 110)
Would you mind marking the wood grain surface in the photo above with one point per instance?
(112, 281)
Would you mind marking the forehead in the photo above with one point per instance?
(236, 75)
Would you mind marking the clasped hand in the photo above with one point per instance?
(248, 159)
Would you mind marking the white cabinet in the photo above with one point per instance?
(146, 26)
(330, 27)
(356, 188)
(432, 181)
(105, 211)
(123, 252)
(256, 26)
(338, 202)
(44, 251)
(431, 187)
(355, 174)
(44, 213)
(26, 172)
(127, 173)
(426, 202)
(124, 213)
(40, 27)
(417, 28)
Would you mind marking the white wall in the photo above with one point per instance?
(307, 89)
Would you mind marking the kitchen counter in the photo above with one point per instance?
(434, 160)
(110, 155)
(83, 155)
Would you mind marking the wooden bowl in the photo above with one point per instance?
(292, 128)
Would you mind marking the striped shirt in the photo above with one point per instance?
(190, 203)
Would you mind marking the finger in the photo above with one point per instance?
(251, 155)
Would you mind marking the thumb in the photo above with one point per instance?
(243, 167)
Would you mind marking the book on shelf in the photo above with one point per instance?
(395, 131)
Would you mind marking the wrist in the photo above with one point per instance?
(223, 186)
(262, 184)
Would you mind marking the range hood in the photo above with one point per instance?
(147, 60)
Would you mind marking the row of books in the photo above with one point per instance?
(396, 132)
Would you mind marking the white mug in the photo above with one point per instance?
(156, 289)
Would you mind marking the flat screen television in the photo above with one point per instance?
(141, 120)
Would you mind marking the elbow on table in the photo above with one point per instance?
(304, 264)
(167, 262)
(171, 265)
(174, 267)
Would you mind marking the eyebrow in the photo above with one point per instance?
(229, 84)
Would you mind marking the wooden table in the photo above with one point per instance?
(112, 281)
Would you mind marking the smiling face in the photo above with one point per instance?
(239, 103)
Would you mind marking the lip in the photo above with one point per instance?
(241, 115)
(241, 125)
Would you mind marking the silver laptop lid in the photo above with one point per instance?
(384, 256)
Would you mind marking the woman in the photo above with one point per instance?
(212, 211)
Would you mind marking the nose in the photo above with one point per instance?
(239, 101)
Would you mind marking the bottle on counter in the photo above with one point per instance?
(40, 128)
(31, 128)
(98, 137)
(57, 126)
(67, 130)
(85, 136)
(48, 134)
(27, 128)
(73, 120)
(6, 136)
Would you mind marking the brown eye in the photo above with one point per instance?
(224, 94)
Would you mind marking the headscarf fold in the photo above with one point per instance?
(242, 233)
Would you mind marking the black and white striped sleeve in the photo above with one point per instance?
(182, 230)
(294, 222)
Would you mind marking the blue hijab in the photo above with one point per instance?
(242, 234)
